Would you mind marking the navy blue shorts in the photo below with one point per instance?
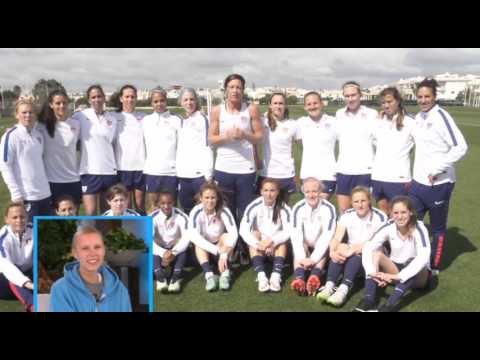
(73, 189)
(133, 180)
(287, 184)
(345, 183)
(38, 208)
(238, 188)
(155, 183)
(388, 190)
(329, 186)
(187, 189)
(95, 184)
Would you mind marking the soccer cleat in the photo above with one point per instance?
(174, 286)
(263, 283)
(313, 284)
(224, 283)
(325, 293)
(212, 283)
(299, 286)
(162, 286)
(365, 306)
(338, 298)
(275, 282)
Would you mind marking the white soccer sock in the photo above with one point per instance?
(330, 285)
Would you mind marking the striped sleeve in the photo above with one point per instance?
(296, 231)
(373, 244)
(283, 235)
(454, 138)
(247, 223)
(422, 258)
(14, 184)
(328, 231)
(231, 227)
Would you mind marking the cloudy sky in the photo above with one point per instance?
(76, 69)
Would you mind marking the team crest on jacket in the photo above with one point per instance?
(109, 122)
(429, 125)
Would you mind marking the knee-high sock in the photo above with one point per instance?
(278, 262)
(258, 263)
(334, 269)
(370, 290)
(352, 266)
(400, 290)
(299, 273)
(158, 270)
(178, 266)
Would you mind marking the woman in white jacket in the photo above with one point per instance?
(170, 242)
(407, 264)
(265, 227)
(214, 233)
(194, 155)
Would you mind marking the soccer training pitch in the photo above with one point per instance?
(458, 289)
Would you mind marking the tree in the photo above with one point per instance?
(292, 100)
(114, 100)
(17, 90)
(44, 87)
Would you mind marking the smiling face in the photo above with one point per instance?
(189, 103)
(25, 115)
(128, 99)
(96, 98)
(209, 200)
(159, 103)
(313, 106)
(118, 204)
(361, 203)
(401, 215)
(89, 250)
(59, 105)
(270, 193)
(278, 106)
(352, 97)
(17, 219)
(312, 191)
(425, 98)
(166, 204)
(66, 208)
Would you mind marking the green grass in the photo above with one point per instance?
(459, 288)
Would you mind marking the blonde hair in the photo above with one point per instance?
(21, 102)
(362, 189)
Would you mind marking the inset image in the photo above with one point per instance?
(93, 264)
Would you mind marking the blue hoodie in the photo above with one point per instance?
(70, 294)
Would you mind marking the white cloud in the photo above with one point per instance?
(308, 68)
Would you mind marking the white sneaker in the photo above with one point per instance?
(275, 282)
(263, 284)
(175, 287)
(162, 286)
(338, 298)
(325, 293)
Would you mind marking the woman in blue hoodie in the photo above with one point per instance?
(89, 285)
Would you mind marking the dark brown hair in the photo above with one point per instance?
(396, 95)
(272, 123)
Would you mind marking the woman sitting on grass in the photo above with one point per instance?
(213, 231)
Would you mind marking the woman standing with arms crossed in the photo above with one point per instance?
(61, 134)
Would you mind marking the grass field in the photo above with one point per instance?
(459, 288)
